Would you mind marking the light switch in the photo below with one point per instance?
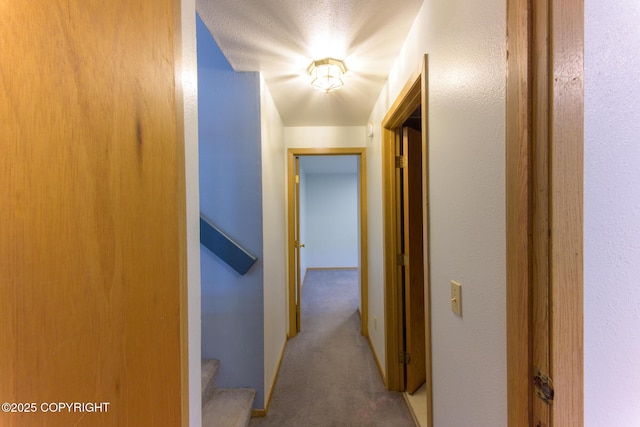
(456, 298)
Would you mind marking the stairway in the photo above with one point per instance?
(223, 407)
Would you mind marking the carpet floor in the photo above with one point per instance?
(328, 376)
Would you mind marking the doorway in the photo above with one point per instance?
(295, 245)
(409, 109)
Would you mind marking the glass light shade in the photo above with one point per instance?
(326, 74)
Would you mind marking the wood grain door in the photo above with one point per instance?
(92, 222)
(412, 242)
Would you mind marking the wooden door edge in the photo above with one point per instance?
(566, 169)
(517, 147)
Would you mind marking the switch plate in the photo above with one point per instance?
(456, 298)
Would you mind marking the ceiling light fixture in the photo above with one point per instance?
(326, 74)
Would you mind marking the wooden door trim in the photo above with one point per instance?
(364, 266)
(545, 72)
(566, 170)
(518, 141)
(412, 95)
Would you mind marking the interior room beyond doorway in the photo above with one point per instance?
(329, 212)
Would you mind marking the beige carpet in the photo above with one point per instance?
(328, 376)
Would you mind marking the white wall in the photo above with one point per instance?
(331, 220)
(274, 242)
(466, 43)
(375, 241)
(612, 214)
(188, 78)
(325, 136)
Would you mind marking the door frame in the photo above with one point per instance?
(364, 266)
(544, 208)
(413, 95)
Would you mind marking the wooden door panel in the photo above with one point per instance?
(91, 212)
(414, 272)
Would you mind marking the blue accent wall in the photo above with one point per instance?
(231, 196)
(209, 54)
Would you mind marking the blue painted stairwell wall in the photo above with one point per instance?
(231, 196)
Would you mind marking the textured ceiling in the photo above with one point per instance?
(280, 38)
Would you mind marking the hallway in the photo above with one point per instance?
(328, 375)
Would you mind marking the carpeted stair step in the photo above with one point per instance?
(223, 407)
(228, 408)
(209, 373)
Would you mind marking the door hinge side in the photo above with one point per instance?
(543, 386)
(405, 358)
(401, 162)
(402, 259)
(297, 179)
